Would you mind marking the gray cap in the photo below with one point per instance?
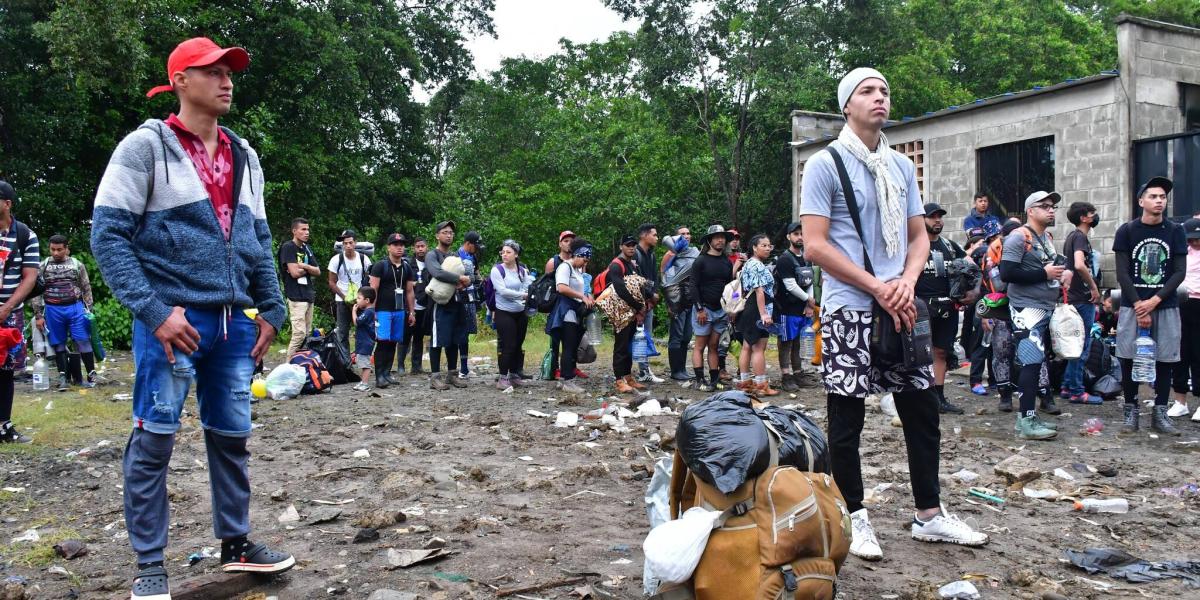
(716, 230)
(1038, 196)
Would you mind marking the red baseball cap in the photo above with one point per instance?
(566, 234)
(200, 52)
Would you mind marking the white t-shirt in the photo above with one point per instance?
(351, 269)
(572, 278)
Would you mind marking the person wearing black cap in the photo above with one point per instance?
(469, 252)
(395, 300)
(449, 321)
(933, 286)
(348, 271)
(1035, 274)
(17, 277)
(1151, 253)
(643, 260)
(299, 265)
(564, 254)
(414, 337)
(793, 305)
(1187, 372)
(622, 359)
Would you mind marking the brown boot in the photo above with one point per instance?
(725, 376)
(622, 387)
(745, 385)
(764, 389)
(633, 383)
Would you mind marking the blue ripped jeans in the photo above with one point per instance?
(221, 368)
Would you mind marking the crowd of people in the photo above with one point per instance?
(848, 296)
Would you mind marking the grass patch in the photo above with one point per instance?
(75, 419)
(41, 554)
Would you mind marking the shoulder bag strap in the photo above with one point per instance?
(851, 204)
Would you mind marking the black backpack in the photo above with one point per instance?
(337, 360)
(543, 294)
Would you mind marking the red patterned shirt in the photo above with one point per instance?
(216, 173)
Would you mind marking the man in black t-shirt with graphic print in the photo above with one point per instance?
(395, 299)
(933, 286)
(1151, 254)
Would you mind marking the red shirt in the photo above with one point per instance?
(216, 174)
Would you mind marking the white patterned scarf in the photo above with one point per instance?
(889, 196)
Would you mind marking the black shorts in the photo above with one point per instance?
(747, 324)
(944, 329)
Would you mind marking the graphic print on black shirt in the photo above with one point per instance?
(1151, 250)
(929, 284)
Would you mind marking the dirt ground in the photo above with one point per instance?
(518, 501)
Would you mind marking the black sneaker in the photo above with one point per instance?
(64, 383)
(944, 407)
(151, 584)
(1006, 404)
(256, 558)
(91, 380)
(1049, 407)
(10, 435)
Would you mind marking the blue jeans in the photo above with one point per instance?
(222, 368)
(1073, 377)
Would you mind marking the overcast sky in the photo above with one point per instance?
(533, 27)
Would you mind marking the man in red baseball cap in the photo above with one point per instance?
(180, 234)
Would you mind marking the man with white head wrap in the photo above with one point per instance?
(892, 217)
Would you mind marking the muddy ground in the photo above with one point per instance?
(519, 501)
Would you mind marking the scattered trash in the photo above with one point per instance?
(538, 414)
(1062, 473)
(13, 490)
(290, 515)
(1118, 506)
(622, 561)
(887, 405)
(1119, 564)
(30, 535)
(960, 590)
(334, 502)
(674, 548)
(525, 458)
(650, 408)
(452, 577)
(70, 549)
(566, 420)
(986, 494)
(361, 453)
(205, 552)
(408, 557)
(1046, 494)
(1093, 426)
(965, 476)
(61, 572)
(1182, 491)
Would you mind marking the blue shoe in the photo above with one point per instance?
(1086, 398)
(979, 389)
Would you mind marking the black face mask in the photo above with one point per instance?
(1096, 220)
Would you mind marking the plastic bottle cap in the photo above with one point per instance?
(1078, 505)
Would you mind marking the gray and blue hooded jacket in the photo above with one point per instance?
(157, 240)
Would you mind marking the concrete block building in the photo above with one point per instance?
(1092, 139)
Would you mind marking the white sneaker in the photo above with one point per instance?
(1196, 417)
(946, 527)
(863, 543)
(1178, 409)
(650, 377)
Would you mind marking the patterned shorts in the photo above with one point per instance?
(846, 359)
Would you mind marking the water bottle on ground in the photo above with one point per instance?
(41, 374)
(1143, 360)
(1118, 506)
(808, 342)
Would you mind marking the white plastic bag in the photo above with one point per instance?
(1066, 332)
(658, 511)
(674, 548)
(286, 381)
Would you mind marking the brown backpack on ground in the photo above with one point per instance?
(785, 535)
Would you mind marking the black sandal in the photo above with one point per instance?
(258, 558)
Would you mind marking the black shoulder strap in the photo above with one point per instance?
(851, 204)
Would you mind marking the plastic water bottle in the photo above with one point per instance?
(593, 329)
(1143, 359)
(41, 374)
(1118, 506)
(808, 342)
